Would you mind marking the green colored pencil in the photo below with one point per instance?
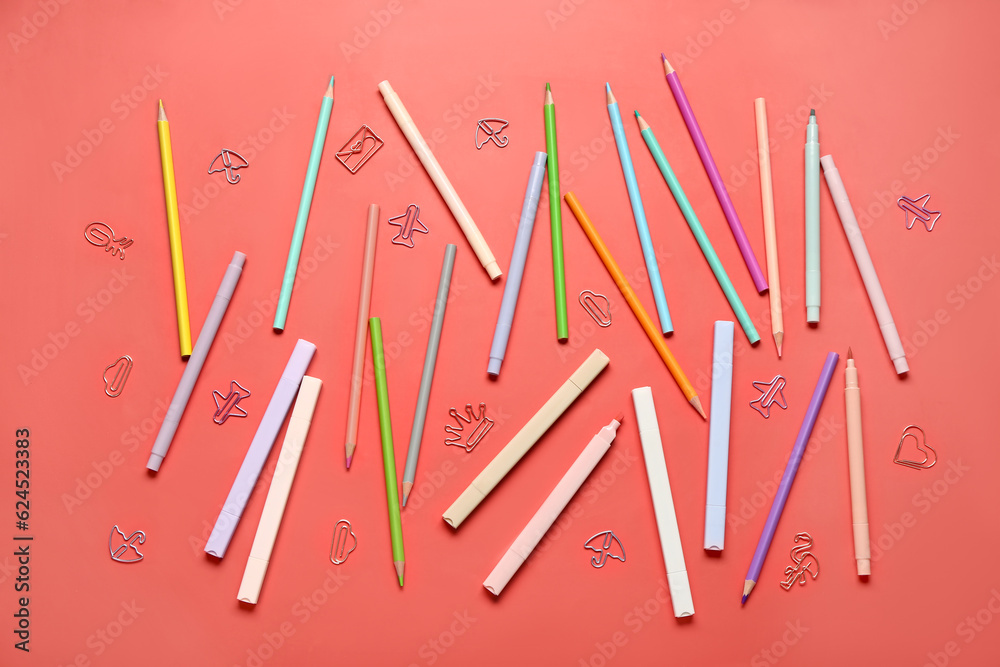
(305, 202)
(388, 454)
(698, 231)
(555, 216)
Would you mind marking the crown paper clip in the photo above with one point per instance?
(478, 432)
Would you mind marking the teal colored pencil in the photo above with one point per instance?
(388, 454)
(292, 265)
(698, 231)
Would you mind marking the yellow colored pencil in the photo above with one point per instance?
(633, 301)
(174, 231)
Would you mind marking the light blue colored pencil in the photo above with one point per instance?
(639, 213)
(292, 265)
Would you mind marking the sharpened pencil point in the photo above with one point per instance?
(610, 97)
(407, 487)
(399, 570)
(329, 89)
(696, 402)
(744, 600)
(547, 86)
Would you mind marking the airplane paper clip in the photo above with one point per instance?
(409, 226)
(771, 393)
(122, 366)
(804, 561)
(228, 165)
(916, 209)
(491, 129)
(101, 235)
(359, 149)
(119, 546)
(229, 403)
(608, 546)
(479, 431)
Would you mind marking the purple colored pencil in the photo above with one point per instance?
(778, 505)
(713, 175)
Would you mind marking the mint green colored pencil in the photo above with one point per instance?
(698, 231)
(292, 265)
(388, 454)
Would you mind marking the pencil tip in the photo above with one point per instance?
(547, 86)
(399, 570)
(637, 114)
(349, 462)
(607, 86)
(696, 402)
(744, 600)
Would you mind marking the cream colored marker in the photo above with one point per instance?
(277, 494)
(525, 439)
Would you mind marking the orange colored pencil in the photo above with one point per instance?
(634, 303)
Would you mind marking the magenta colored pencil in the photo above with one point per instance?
(790, 469)
(713, 175)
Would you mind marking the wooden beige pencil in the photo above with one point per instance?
(770, 237)
(444, 186)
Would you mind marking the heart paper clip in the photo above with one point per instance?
(922, 447)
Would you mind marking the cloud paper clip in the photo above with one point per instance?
(122, 366)
(344, 542)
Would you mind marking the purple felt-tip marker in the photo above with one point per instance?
(713, 175)
(819, 393)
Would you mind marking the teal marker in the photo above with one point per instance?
(292, 265)
(812, 220)
(698, 231)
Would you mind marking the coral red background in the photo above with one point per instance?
(904, 104)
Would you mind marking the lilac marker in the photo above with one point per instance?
(790, 469)
(518, 257)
